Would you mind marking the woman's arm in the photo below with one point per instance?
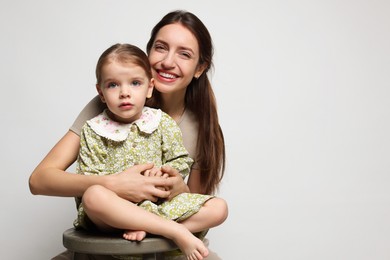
(194, 182)
(179, 186)
(50, 177)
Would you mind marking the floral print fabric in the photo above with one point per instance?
(109, 147)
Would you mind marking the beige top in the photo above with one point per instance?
(187, 125)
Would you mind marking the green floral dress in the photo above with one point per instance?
(109, 147)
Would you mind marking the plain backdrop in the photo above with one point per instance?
(303, 90)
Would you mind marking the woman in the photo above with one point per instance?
(180, 52)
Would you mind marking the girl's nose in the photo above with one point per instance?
(125, 92)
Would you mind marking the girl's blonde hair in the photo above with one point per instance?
(123, 53)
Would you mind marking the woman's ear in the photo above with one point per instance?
(99, 90)
(150, 88)
(199, 71)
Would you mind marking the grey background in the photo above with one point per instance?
(303, 96)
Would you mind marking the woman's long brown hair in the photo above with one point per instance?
(200, 100)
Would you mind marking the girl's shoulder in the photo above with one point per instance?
(157, 115)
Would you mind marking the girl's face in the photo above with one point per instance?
(174, 58)
(124, 88)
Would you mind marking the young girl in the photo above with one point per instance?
(125, 134)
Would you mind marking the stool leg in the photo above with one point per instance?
(153, 256)
(80, 256)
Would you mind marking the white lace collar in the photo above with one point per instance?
(104, 126)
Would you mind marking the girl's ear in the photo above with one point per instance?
(99, 90)
(150, 88)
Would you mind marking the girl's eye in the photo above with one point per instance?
(136, 83)
(112, 85)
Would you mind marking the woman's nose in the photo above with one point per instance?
(168, 60)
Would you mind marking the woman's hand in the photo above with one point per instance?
(156, 172)
(177, 184)
(132, 185)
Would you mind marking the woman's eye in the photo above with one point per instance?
(159, 47)
(185, 54)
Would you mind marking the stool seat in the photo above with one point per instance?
(82, 241)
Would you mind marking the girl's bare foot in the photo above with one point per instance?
(133, 235)
(190, 245)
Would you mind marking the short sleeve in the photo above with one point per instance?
(174, 152)
(189, 128)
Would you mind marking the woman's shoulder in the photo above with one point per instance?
(188, 122)
(92, 109)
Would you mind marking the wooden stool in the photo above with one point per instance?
(81, 241)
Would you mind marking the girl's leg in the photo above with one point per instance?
(106, 209)
(213, 213)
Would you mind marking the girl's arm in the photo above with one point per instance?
(175, 157)
(50, 177)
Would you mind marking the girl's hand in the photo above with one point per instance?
(177, 183)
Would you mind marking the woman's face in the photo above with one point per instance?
(174, 58)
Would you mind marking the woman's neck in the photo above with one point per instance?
(173, 105)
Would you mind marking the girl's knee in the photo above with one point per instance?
(219, 208)
(224, 209)
(94, 197)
